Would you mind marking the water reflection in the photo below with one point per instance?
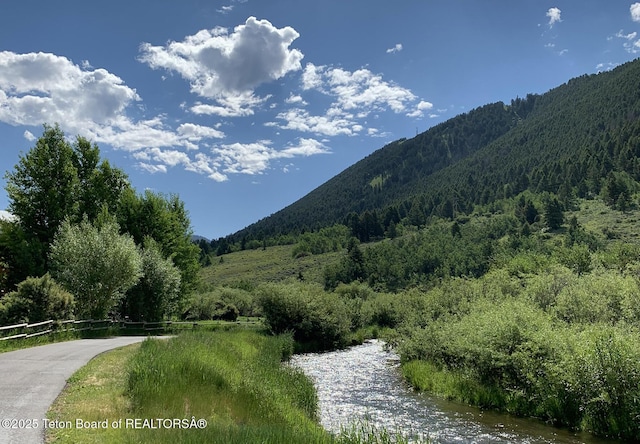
(363, 382)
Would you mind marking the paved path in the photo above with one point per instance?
(32, 378)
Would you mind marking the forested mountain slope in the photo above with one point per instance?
(565, 141)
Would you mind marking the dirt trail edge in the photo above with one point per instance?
(32, 378)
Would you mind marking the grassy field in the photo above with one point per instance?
(275, 264)
(595, 216)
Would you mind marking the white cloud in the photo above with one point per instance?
(40, 87)
(632, 44)
(152, 168)
(601, 67)
(312, 76)
(255, 158)
(396, 48)
(300, 120)
(225, 9)
(222, 66)
(198, 132)
(362, 88)
(635, 12)
(37, 88)
(29, 136)
(305, 147)
(554, 15)
(420, 108)
(295, 99)
(358, 93)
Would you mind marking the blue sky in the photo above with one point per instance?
(241, 107)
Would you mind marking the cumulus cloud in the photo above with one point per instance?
(420, 108)
(295, 99)
(396, 48)
(39, 88)
(331, 124)
(240, 105)
(195, 132)
(355, 95)
(304, 147)
(554, 15)
(635, 12)
(362, 88)
(228, 66)
(152, 168)
(254, 158)
(602, 67)
(234, 158)
(312, 76)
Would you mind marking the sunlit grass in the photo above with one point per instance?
(275, 264)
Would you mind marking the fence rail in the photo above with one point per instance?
(25, 330)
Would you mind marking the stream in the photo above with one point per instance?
(363, 383)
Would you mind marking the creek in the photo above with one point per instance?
(363, 383)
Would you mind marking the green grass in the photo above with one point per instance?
(595, 216)
(275, 264)
(451, 385)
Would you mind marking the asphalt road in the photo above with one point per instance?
(31, 379)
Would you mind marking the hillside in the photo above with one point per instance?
(565, 141)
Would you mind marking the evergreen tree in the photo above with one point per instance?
(553, 214)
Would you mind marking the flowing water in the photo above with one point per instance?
(363, 383)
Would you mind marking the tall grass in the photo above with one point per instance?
(232, 379)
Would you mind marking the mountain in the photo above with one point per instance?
(566, 141)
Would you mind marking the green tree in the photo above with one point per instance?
(166, 221)
(157, 292)
(52, 182)
(95, 263)
(22, 254)
(553, 214)
(43, 188)
(100, 185)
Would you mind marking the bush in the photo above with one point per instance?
(311, 314)
(36, 300)
(209, 306)
(606, 363)
(242, 299)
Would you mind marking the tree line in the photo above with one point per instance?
(85, 243)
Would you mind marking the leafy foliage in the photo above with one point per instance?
(55, 181)
(36, 300)
(165, 220)
(308, 312)
(95, 263)
(157, 293)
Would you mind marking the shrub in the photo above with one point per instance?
(208, 306)
(606, 363)
(36, 300)
(311, 314)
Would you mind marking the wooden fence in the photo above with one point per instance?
(25, 331)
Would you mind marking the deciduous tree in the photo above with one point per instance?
(95, 263)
